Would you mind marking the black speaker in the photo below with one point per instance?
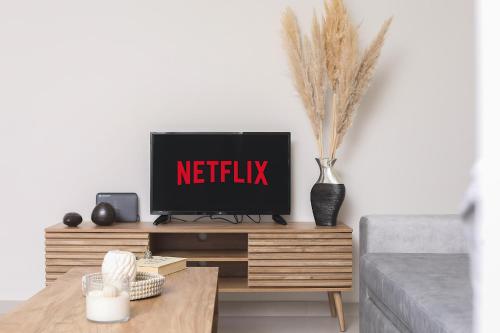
(126, 205)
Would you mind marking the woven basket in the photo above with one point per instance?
(145, 285)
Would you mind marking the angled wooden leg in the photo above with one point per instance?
(340, 310)
(331, 302)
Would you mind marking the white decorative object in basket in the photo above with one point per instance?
(146, 285)
(118, 264)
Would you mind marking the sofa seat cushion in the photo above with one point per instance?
(427, 292)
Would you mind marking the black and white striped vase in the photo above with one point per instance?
(327, 195)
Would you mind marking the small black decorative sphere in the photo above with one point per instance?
(72, 219)
(103, 214)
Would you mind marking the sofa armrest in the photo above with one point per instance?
(412, 234)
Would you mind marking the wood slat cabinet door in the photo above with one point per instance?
(65, 250)
(311, 259)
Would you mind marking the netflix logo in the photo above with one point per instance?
(237, 172)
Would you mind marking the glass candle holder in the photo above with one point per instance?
(107, 300)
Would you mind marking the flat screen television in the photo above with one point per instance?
(220, 173)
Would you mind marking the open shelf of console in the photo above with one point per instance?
(206, 255)
(201, 247)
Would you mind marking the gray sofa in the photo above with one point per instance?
(414, 275)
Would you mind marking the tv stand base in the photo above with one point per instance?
(252, 257)
(162, 219)
(279, 219)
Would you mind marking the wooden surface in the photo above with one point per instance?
(296, 257)
(187, 305)
(65, 250)
(240, 285)
(337, 298)
(264, 257)
(206, 255)
(300, 259)
(199, 227)
(331, 303)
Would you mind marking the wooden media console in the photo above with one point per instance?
(252, 257)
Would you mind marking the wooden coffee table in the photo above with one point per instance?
(188, 304)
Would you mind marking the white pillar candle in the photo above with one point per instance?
(106, 308)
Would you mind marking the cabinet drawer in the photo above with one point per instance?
(64, 251)
(300, 260)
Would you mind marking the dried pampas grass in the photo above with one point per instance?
(329, 63)
(306, 57)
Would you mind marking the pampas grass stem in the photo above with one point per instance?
(328, 62)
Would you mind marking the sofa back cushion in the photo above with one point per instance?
(412, 234)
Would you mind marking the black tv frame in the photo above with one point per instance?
(195, 212)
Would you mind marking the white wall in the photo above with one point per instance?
(83, 83)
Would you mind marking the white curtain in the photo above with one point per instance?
(486, 265)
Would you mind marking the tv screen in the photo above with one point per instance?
(220, 173)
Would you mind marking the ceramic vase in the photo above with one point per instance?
(327, 194)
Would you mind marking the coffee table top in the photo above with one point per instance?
(186, 305)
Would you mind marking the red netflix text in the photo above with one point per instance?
(201, 172)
